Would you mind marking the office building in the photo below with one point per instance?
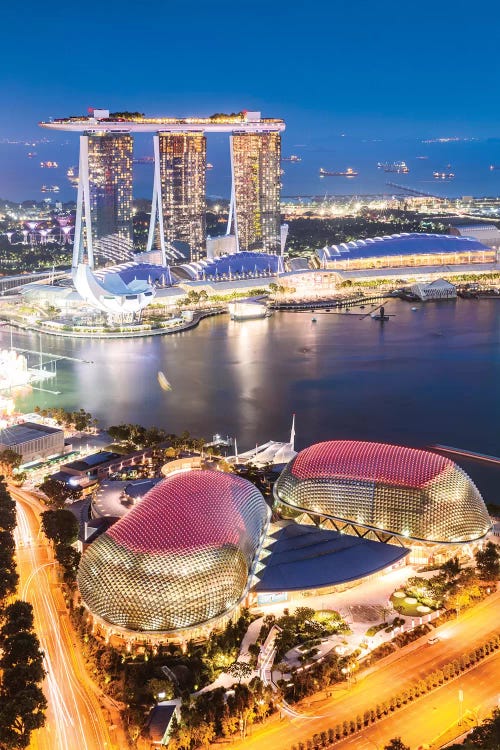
(32, 441)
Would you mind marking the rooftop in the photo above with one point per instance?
(102, 121)
(189, 511)
(89, 462)
(307, 557)
(375, 462)
(406, 243)
(23, 433)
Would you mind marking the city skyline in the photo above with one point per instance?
(177, 227)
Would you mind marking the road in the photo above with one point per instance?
(76, 716)
(380, 683)
(434, 719)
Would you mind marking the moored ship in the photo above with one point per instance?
(349, 172)
(400, 167)
(443, 175)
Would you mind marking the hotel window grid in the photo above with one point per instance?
(256, 162)
(110, 190)
(183, 161)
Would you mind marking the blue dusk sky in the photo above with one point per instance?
(364, 68)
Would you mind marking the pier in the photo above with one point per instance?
(466, 454)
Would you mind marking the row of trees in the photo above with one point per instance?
(9, 462)
(220, 714)
(79, 420)
(135, 436)
(58, 492)
(8, 573)
(61, 528)
(22, 703)
(405, 696)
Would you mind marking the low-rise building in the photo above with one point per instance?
(34, 442)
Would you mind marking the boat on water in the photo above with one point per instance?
(400, 167)
(443, 175)
(380, 316)
(209, 166)
(49, 164)
(292, 158)
(421, 157)
(163, 382)
(494, 166)
(349, 172)
(72, 175)
(31, 154)
(248, 311)
(50, 189)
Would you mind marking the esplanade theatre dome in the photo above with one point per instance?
(182, 557)
(401, 492)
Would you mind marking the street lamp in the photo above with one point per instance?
(460, 707)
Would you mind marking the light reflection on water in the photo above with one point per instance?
(429, 376)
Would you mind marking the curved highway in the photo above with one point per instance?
(76, 716)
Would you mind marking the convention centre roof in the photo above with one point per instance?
(307, 557)
(406, 243)
(241, 264)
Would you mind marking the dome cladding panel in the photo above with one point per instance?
(378, 462)
(180, 558)
(404, 491)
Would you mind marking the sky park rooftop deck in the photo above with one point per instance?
(102, 121)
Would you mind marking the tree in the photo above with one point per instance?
(22, 702)
(69, 558)
(488, 562)
(8, 581)
(9, 460)
(8, 519)
(451, 568)
(17, 616)
(58, 492)
(60, 526)
(240, 670)
(396, 744)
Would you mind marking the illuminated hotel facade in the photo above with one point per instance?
(103, 231)
(182, 164)
(255, 198)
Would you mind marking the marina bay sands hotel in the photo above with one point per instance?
(103, 229)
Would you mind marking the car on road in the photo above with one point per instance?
(433, 640)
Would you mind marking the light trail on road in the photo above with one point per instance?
(378, 684)
(75, 718)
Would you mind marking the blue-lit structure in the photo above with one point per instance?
(406, 243)
(245, 264)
